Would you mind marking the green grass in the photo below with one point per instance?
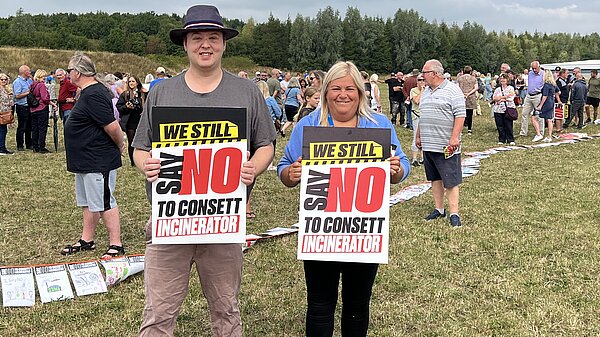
(524, 263)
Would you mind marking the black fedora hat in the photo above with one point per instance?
(201, 17)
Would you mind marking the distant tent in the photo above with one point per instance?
(586, 66)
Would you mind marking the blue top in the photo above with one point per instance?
(273, 108)
(293, 149)
(547, 110)
(21, 85)
(291, 96)
(535, 82)
(153, 83)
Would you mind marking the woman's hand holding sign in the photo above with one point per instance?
(396, 170)
(291, 174)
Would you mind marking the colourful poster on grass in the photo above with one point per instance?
(344, 195)
(18, 289)
(87, 278)
(199, 196)
(53, 283)
(115, 270)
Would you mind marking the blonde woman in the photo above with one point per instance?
(415, 99)
(550, 94)
(375, 101)
(6, 104)
(343, 104)
(40, 113)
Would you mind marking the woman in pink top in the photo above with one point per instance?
(40, 113)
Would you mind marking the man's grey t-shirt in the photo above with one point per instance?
(232, 92)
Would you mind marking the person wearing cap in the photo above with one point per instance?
(160, 75)
(219, 266)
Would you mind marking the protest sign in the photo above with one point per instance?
(17, 287)
(53, 283)
(87, 278)
(198, 196)
(344, 195)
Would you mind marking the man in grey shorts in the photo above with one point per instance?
(442, 117)
(94, 144)
(219, 266)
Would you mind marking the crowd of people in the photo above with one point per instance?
(101, 111)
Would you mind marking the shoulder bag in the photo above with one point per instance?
(510, 113)
(7, 117)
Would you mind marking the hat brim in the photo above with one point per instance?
(178, 35)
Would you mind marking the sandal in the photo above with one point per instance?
(250, 215)
(107, 255)
(78, 246)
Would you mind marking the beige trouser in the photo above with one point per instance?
(166, 278)
(529, 105)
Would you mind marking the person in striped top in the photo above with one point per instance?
(443, 114)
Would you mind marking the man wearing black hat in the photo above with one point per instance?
(219, 266)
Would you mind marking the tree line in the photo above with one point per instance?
(402, 42)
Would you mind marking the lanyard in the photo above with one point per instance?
(330, 120)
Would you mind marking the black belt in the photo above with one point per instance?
(535, 94)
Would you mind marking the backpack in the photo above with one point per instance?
(32, 101)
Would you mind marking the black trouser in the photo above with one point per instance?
(469, 119)
(322, 281)
(505, 128)
(130, 135)
(576, 108)
(24, 126)
(39, 128)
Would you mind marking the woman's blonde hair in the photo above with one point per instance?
(264, 88)
(40, 75)
(549, 77)
(337, 71)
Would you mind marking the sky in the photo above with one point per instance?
(548, 16)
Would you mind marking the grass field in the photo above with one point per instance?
(525, 263)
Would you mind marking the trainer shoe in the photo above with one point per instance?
(415, 163)
(512, 144)
(547, 140)
(455, 221)
(435, 215)
(500, 143)
(537, 138)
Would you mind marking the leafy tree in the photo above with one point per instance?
(354, 29)
(301, 47)
(115, 41)
(329, 36)
(271, 41)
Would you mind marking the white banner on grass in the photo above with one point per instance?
(18, 289)
(53, 283)
(87, 278)
(136, 265)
